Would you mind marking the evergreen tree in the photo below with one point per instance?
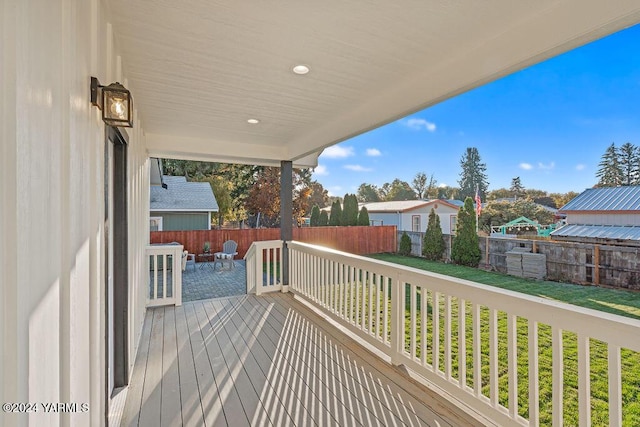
(629, 160)
(609, 172)
(324, 219)
(517, 190)
(473, 175)
(466, 248)
(336, 213)
(363, 217)
(315, 216)
(350, 210)
(433, 242)
(405, 244)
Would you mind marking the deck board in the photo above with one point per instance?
(265, 361)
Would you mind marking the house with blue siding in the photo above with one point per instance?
(177, 204)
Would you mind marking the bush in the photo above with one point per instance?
(350, 210)
(433, 243)
(363, 217)
(315, 216)
(323, 221)
(466, 248)
(336, 213)
(405, 244)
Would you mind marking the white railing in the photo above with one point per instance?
(263, 261)
(469, 339)
(165, 275)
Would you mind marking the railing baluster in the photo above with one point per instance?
(447, 336)
(412, 321)
(385, 312)
(356, 314)
(462, 343)
(371, 283)
(534, 389)
(557, 348)
(423, 326)
(378, 315)
(615, 386)
(435, 313)
(477, 360)
(584, 381)
(512, 351)
(493, 356)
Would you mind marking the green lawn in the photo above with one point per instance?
(609, 300)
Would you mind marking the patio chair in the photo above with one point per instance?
(229, 251)
(188, 259)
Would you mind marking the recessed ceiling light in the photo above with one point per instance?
(301, 69)
(253, 121)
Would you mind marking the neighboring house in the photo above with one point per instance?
(608, 215)
(180, 205)
(413, 215)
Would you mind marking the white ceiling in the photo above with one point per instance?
(198, 69)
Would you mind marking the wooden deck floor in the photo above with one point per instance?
(266, 361)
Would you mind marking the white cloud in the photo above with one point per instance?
(546, 167)
(420, 124)
(442, 185)
(357, 168)
(320, 170)
(525, 166)
(373, 152)
(334, 191)
(580, 167)
(337, 152)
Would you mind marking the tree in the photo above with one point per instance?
(517, 190)
(473, 175)
(398, 190)
(447, 192)
(350, 210)
(324, 219)
(319, 196)
(363, 217)
(405, 244)
(432, 190)
(433, 242)
(336, 213)
(419, 184)
(466, 248)
(609, 171)
(629, 160)
(368, 193)
(499, 213)
(314, 221)
(563, 199)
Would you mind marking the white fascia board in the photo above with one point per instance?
(213, 150)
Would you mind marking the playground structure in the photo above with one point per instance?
(524, 223)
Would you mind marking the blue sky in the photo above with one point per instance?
(548, 124)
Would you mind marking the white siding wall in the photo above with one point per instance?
(386, 218)
(51, 208)
(604, 219)
(404, 220)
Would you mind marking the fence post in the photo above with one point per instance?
(596, 264)
(397, 320)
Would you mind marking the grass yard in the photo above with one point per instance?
(608, 300)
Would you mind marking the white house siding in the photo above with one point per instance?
(604, 218)
(404, 220)
(52, 209)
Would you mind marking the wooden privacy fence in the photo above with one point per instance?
(355, 240)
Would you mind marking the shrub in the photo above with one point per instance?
(363, 217)
(315, 216)
(433, 243)
(466, 248)
(405, 244)
(350, 210)
(323, 221)
(336, 213)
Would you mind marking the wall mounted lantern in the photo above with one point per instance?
(114, 101)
